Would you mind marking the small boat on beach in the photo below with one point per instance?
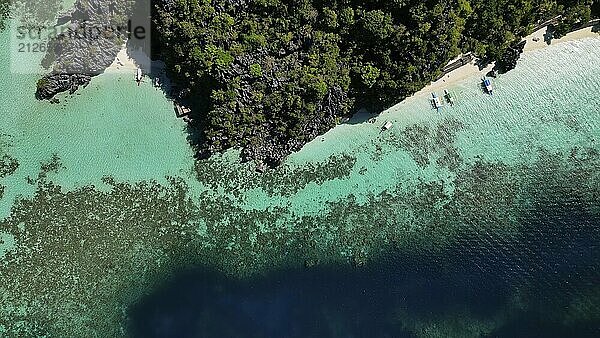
(487, 85)
(157, 82)
(449, 98)
(138, 76)
(436, 103)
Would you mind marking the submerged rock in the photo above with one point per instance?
(8, 166)
(311, 263)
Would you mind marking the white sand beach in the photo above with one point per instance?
(129, 59)
(534, 41)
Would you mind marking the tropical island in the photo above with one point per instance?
(268, 76)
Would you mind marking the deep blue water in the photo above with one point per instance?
(551, 262)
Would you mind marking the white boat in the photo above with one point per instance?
(386, 126)
(182, 110)
(138, 76)
(436, 103)
(488, 86)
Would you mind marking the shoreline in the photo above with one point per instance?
(471, 70)
(129, 59)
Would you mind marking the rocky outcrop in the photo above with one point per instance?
(92, 40)
(52, 84)
(277, 145)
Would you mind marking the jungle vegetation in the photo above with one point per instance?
(267, 76)
(31, 12)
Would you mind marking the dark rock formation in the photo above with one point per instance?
(492, 73)
(276, 145)
(509, 58)
(52, 84)
(272, 144)
(89, 45)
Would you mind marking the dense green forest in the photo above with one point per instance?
(269, 75)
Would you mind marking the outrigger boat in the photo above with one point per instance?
(138, 76)
(487, 84)
(448, 97)
(436, 103)
(386, 126)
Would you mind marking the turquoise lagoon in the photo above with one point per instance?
(107, 203)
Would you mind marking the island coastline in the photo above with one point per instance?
(128, 59)
(270, 145)
(471, 69)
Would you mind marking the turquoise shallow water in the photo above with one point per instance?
(95, 133)
(107, 200)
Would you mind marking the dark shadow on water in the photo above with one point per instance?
(536, 327)
(549, 264)
(315, 303)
